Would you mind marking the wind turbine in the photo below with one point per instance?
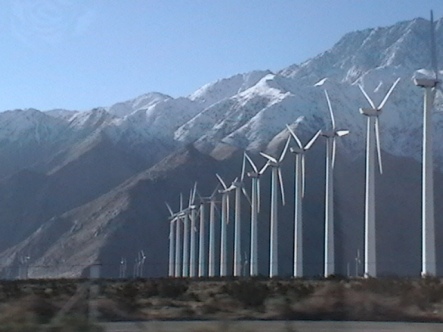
(429, 266)
(372, 142)
(331, 136)
(255, 209)
(299, 192)
(224, 222)
(239, 188)
(276, 178)
(142, 262)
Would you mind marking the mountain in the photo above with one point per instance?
(80, 186)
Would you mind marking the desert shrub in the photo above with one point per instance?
(172, 288)
(250, 293)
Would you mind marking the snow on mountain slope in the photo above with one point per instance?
(28, 124)
(214, 92)
(144, 101)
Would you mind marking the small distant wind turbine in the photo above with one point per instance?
(276, 178)
(255, 209)
(429, 266)
(372, 115)
(331, 136)
(142, 258)
(299, 192)
(122, 270)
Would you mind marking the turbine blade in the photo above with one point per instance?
(181, 202)
(341, 133)
(221, 181)
(282, 188)
(367, 97)
(377, 142)
(169, 209)
(251, 163)
(264, 168)
(388, 94)
(312, 141)
(330, 110)
(194, 192)
(243, 168)
(190, 198)
(433, 47)
(334, 148)
(215, 191)
(303, 170)
(285, 149)
(268, 157)
(245, 192)
(295, 137)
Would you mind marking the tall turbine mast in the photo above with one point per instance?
(223, 229)
(372, 142)
(255, 209)
(193, 217)
(202, 266)
(331, 136)
(172, 220)
(276, 178)
(430, 85)
(299, 192)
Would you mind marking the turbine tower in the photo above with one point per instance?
(255, 210)
(331, 143)
(372, 142)
(173, 218)
(202, 266)
(299, 192)
(276, 177)
(193, 217)
(430, 85)
(211, 260)
(223, 229)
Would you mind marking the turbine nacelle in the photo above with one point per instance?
(370, 111)
(426, 82)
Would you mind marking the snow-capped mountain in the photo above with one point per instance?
(74, 167)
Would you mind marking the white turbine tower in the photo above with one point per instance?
(331, 136)
(186, 232)
(276, 177)
(178, 245)
(372, 142)
(430, 85)
(193, 218)
(255, 209)
(173, 218)
(202, 266)
(299, 191)
(211, 259)
(223, 229)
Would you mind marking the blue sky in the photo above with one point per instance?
(80, 54)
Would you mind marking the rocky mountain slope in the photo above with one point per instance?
(77, 186)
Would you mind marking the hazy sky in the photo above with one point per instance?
(80, 54)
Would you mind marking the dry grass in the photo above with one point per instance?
(36, 303)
